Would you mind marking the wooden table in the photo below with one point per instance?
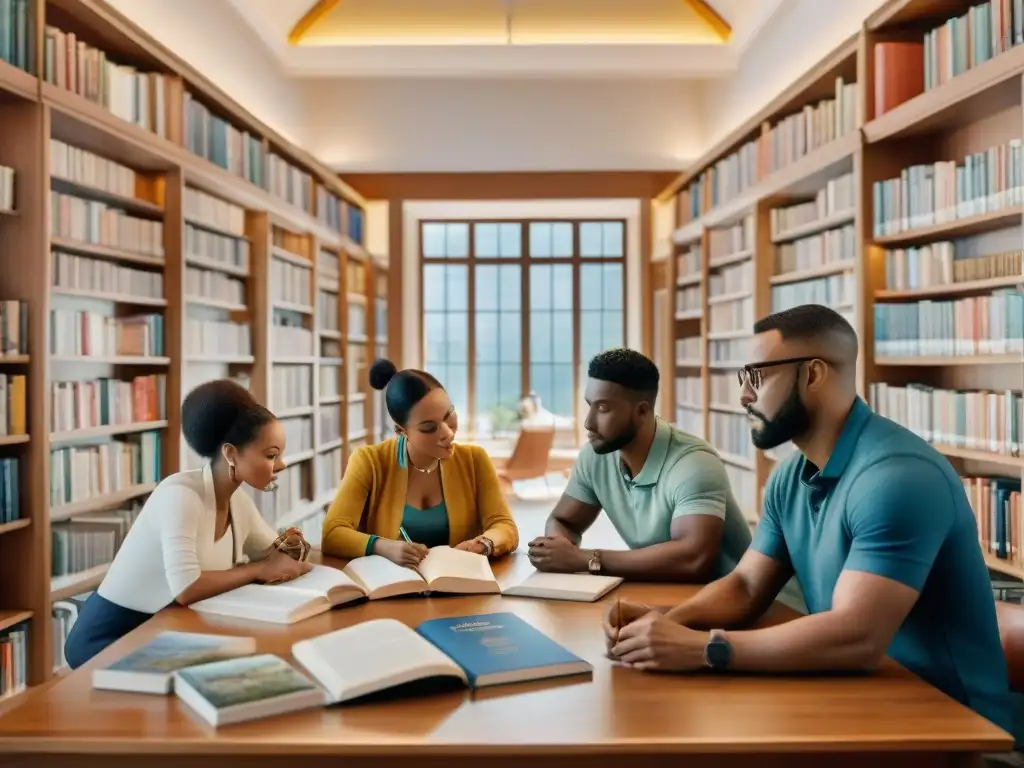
(616, 717)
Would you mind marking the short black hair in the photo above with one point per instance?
(402, 389)
(221, 412)
(811, 322)
(627, 368)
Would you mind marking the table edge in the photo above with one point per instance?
(947, 743)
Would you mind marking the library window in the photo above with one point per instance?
(517, 308)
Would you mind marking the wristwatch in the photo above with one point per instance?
(594, 564)
(718, 651)
(488, 545)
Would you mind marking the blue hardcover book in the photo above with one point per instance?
(497, 648)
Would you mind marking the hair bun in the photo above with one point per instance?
(381, 373)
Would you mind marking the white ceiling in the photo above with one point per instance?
(272, 20)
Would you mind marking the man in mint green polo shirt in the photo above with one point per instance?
(873, 521)
(666, 492)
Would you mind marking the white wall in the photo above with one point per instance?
(798, 36)
(213, 38)
(415, 211)
(503, 125)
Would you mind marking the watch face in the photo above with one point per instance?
(719, 653)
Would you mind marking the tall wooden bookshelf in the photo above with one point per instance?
(150, 243)
(929, 273)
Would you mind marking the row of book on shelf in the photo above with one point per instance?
(906, 68)
(935, 193)
(777, 146)
(146, 99)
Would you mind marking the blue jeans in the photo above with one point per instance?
(99, 624)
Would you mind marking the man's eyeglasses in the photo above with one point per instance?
(752, 371)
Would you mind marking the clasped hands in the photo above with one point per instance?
(557, 554)
(641, 637)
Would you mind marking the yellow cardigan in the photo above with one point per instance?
(371, 500)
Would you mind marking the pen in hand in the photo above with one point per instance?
(401, 530)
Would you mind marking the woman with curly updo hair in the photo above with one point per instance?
(197, 535)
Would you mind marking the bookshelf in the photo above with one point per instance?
(154, 236)
(899, 204)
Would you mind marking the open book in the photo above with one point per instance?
(444, 569)
(478, 651)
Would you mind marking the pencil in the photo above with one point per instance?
(618, 614)
(401, 530)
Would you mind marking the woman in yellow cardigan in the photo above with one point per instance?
(419, 489)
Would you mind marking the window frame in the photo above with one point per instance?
(523, 261)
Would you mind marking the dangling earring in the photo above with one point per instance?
(401, 451)
(231, 473)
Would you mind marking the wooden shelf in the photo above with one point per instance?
(981, 457)
(220, 359)
(957, 102)
(814, 227)
(116, 298)
(17, 82)
(63, 587)
(227, 306)
(111, 360)
(951, 289)
(966, 116)
(9, 619)
(1005, 567)
(931, 361)
(212, 264)
(835, 268)
(968, 225)
(91, 433)
(130, 204)
(32, 113)
(104, 252)
(100, 503)
(16, 525)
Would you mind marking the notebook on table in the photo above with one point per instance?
(578, 587)
(476, 651)
(237, 690)
(151, 668)
(444, 569)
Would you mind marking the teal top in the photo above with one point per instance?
(682, 475)
(423, 526)
(889, 504)
(426, 526)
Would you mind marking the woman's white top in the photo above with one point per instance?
(172, 542)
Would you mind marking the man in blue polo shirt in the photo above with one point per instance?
(666, 492)
(873, 521)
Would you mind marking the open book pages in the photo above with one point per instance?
(580, 587)
(151, 668)
(452, 570)
(444, 569)
(371, 656)
(236, 690)
(312, 593)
